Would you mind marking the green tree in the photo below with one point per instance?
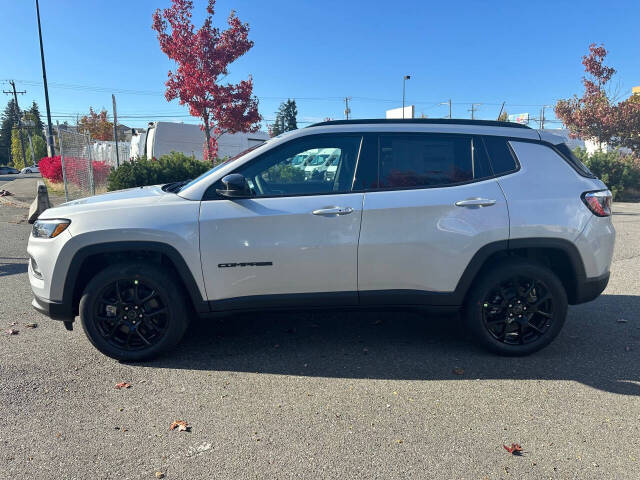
(16, 149)
(39, 149)
(33, 114)
(285, 118)
(9, 120)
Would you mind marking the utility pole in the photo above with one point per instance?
(542, 117)
(50, 145)
(501, 109)
(19, 115)
(115, 129)
(347, 110)
(473, 110)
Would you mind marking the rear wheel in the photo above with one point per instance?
(516, 307)
(133, 312)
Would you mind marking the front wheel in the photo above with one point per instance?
(516, 308)
(27, 171)
(133, 312)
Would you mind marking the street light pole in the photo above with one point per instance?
(447, 103)
(404, 80)
(50, 146)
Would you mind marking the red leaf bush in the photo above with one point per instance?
(51, 168)
(76, 170)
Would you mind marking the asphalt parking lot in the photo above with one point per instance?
(324, 395)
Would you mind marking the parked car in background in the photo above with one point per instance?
(6, 170)
(318, 163)
(493, 219)
(31, 169)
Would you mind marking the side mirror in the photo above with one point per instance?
(235, 186)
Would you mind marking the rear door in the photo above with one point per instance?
(434, 205)
(293, 243)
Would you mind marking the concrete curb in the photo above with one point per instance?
(40, 203)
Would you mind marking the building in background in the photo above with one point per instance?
(409, 112)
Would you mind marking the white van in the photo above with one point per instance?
(164, 137)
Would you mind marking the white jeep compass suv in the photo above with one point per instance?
(493, 218)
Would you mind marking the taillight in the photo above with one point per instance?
(598, 202)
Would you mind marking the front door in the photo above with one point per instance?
(295, 241)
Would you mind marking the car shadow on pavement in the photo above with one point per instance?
(599, 346)
(7, 269)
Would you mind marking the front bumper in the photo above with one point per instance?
(590, 288)
(53, 310)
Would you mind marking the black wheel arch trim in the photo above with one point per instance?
(586, 289)
(199, 303)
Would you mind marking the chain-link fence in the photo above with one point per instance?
(82, 175)
(105, 151)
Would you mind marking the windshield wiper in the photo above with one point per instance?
(174, 187)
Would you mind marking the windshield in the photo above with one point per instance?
(219, 166)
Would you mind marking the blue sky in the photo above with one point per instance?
(525, 53)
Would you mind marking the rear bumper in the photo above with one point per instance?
(590, 288)
(53, 310)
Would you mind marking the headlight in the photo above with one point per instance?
(49, 228)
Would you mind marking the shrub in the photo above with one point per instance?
(75, 168)
(174, 167)
(619, 171)
(51, 168)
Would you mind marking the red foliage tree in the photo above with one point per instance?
(97, 124)
(202, 57)
(595, 115)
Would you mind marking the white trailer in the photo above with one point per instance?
(165, 137)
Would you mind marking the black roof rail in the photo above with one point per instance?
(428, 121)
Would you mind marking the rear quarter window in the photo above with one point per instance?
(574, 161)
(501, 157)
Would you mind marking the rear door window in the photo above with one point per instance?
(429, 160)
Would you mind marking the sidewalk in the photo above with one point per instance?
(14, 208)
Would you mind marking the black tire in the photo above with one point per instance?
(27, 171)
(516, 307)
(117, 291)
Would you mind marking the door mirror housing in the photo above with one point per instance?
(235, 186)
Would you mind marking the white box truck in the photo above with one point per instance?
(164, 137)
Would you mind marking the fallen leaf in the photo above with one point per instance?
(514, 449)
(31, 325)
(181, 426)
(159, 475)
(122, 385)
(12, 331)
(458, 371)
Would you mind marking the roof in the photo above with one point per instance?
(428, 121)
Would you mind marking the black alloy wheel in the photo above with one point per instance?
(130, 314)
(134, 311)
(518, 311)
(516, 307)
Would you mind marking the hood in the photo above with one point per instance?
(117, 199)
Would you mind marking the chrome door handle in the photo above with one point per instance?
(475, 202)
(332, 211)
